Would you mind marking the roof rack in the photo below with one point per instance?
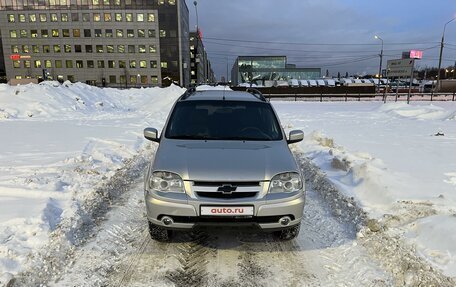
(257, 94)
(188, 93)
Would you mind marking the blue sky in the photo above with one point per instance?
(418, 24)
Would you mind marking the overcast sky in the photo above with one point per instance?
(256, 24)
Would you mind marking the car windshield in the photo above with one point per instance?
(223, 120)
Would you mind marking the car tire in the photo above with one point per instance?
(159, 233)
(289, 233)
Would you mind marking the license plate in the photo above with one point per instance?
(227, 210)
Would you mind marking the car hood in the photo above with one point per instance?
(224, 160)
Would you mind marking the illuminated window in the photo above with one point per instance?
(122, 64)
(130, 33)
(13, 33)
(54, 17)
(32, 18)
(129, 17)
(109, 48)
(141, 33)
(106, 2)
(142, 48)
(120, 48)
(151, 33)
(118, 17)
(64, 17)
(25, 49)
(111, 64)
(107, 17)
(44, 33)
(58, 63)
(37, 63)
(150, 17)
(23, 33)
(22, 18)
(99, 48)
(98, 33)
(96, 2)
(69, 63)
(152, 49)
(162, 33)
(11, 18)
(96, 17)
(66, 33)
(27, 64)
(79, 64)
(67, 48)
(140, 17)
(46, 49)
(164, 65)
(132, 64)
(172, 2)
(56, 48)
(143, 64)
(47, 63)
(100, 64)
(55, 32)
(15, 49)
(108, 33)
(85, 17)
(76, 33)
(154, 80)
(34, 33)
(119, 33)
(43, 17)
(35, 49)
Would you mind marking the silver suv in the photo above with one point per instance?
(223, 159)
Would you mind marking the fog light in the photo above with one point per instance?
(285, 220)
(167, 220)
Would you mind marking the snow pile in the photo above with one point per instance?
(209, 88)
(61, 143)
(396, 161)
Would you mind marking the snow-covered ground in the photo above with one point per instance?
(60, 143)
(398, 161)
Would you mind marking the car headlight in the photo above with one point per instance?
(166, 182)
(286, 182)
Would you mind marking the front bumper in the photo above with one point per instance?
(185, 214)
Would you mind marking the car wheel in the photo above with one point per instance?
(289, 233)
(159, 233)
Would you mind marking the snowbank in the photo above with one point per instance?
(209, 88)
(59, 144)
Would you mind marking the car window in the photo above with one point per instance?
(223, 120)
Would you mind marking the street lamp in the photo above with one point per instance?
(381, 60)
(441, 51)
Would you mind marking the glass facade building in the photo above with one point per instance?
(259, 69)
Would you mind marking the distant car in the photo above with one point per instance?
(293, 83)
(312, 83)
(321, 83)
(330, 83)
(304, 83)
(223, 159)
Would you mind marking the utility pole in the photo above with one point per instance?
(441, 51)
(381, 62)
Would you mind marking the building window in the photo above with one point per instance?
(172, 2)
(90, 64)
(27, 64)
(85, 17)
(16, 64)
(99, 48)
(109, 48)
(88, 49)
(25, 49)
(123, 79)
(143, 64)
(143, 79)
(153, 64)
(67, 48)
(132, 64)
(107, 17)
(141, 33)
(13, 33)
(44, 33)
(112, 79)
(164, 65)
(56, 48)
(75, 17)
(55, 33)
(100, 64)
(150, 17)
(22, 18)
(151, 33)
(111, 64)
(106, 2)
(47, 64)
(11, 18)
(119, 33)
(96, 17)
(98, 33)
(54, 17)
(23, 33)
(70, 78)
(32, 18)
(131, 49)
(140, 17)
(77, 48)
(58, 63)
(142, 48)
(133, 80)
(120, 48)
(96, 2)
(79, 64)
(129, 17)
(46, 49)
(118, 17)
(34, 33)
(152, 49)
(64, 17)
(162, 33)
(43, 17)
(108, 33)
(154, 80)
(15, 49)
(66, 33)
(87, 33)
(161, 2)
(130, 33)
(76, 33)
(69, 64)
(122, 64)
(35, 49)
(37, 63)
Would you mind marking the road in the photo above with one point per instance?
(121, 253)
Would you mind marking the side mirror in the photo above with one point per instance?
(295, 136)
(151, 134)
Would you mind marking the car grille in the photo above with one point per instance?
(226, 190)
